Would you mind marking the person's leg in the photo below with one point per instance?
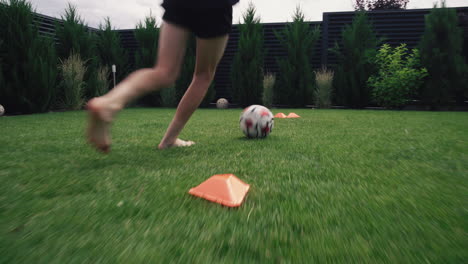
(172, 43)
(209, 53)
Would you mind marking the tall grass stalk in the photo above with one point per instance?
(103, 83)
(73, 70)
(324, 88)
(268, 85)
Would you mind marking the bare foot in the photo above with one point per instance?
(177, 143)
(100, 116)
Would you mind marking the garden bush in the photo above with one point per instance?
(399, 76)
(247, 67)
(295, 82)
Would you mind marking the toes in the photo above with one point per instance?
(99, 147)
(186, 143)
(177, 143)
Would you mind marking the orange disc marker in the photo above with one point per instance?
(225, 189)
(280, 115)
(293, 115)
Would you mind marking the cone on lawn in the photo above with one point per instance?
(280, 115)
(293, 115)
(225, 189)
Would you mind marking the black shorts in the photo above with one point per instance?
(203, 22)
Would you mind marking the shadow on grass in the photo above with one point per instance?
(267, 139)
(134, 155)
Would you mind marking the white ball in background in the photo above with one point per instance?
(2, 110)
(222, 103)
(256, 121)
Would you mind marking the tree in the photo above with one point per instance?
(247, 69)
(75, 38)
(296, 79)
(111, 52)
(28, 73)
(355, 62)
(380, 4)
(441, 55)
(147, 35)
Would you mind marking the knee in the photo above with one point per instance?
(205, 77)
(165, 76)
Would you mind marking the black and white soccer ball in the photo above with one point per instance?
(2, 110)
(222, 103)
(256, 121)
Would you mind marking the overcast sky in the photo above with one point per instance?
(125, 14)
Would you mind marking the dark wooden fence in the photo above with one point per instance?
(47, 25)
(395, 27)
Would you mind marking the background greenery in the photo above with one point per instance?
(441, 54)
(29, 77)
(28, 61)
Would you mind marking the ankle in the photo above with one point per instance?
(165, 143)
(110, 103)
(104, 108)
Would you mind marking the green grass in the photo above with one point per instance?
(333, 186)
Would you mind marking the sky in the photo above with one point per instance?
(125, 14)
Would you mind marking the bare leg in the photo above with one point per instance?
(209, 53)
(102, 110)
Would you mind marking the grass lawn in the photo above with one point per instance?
(337, 186)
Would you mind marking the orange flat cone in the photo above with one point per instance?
(293, 115)
(280, 115)
(225, 189)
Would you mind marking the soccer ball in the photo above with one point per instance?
(256, 121)
(222, 103)
(2, 110)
